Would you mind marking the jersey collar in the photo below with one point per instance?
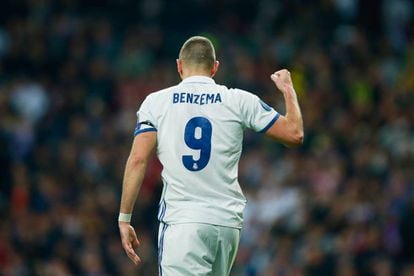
(198, 79)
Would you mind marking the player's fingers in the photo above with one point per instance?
(274, 76)
(131, 253)
(279, 72)
(284, 71)
(135, 238)
(135, 242)
(126, 246)
(134, 257)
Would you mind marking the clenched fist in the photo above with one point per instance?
(282, 80)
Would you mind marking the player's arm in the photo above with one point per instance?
(143, 145)
(287, 129)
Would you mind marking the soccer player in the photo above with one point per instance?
(197, 128)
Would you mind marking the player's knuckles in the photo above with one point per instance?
(128, 254)
(285, 73)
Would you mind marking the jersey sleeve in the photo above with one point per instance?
(146, 120)
(255, 113)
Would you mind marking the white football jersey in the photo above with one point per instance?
(199, 128)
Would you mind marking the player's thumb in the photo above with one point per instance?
(135, 241)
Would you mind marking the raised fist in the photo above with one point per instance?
(282, 79)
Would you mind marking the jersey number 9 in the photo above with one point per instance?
(197, 136)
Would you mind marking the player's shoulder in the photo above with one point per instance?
(241, 92)
(230, 90)
(241, 95)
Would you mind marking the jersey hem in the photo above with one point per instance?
(203, 222)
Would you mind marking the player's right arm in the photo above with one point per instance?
(144, 143)
(142, 147)
(287, 129)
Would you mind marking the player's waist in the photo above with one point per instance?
(184, 212)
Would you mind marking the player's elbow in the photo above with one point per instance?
(296, 138)
(288, 132)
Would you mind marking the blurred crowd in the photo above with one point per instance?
(73, 73)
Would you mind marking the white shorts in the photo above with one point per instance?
(196, 249)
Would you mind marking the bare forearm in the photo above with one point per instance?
(288, 129)
(293, 113)
(136, 165)
(133, 177)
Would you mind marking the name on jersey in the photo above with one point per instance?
(199, 99)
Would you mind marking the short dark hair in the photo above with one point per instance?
(198, 51)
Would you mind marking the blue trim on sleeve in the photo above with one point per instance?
(270, 123)
(136, 132)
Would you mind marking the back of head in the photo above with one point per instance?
(198, 53)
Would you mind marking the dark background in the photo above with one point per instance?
(73, 73)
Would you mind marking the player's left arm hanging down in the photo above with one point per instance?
(142, 147)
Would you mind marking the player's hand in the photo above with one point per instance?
(282, 80)
(129, 241)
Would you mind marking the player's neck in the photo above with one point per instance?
(195, 73)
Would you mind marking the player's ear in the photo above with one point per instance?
(215, 68)
(180, 67)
